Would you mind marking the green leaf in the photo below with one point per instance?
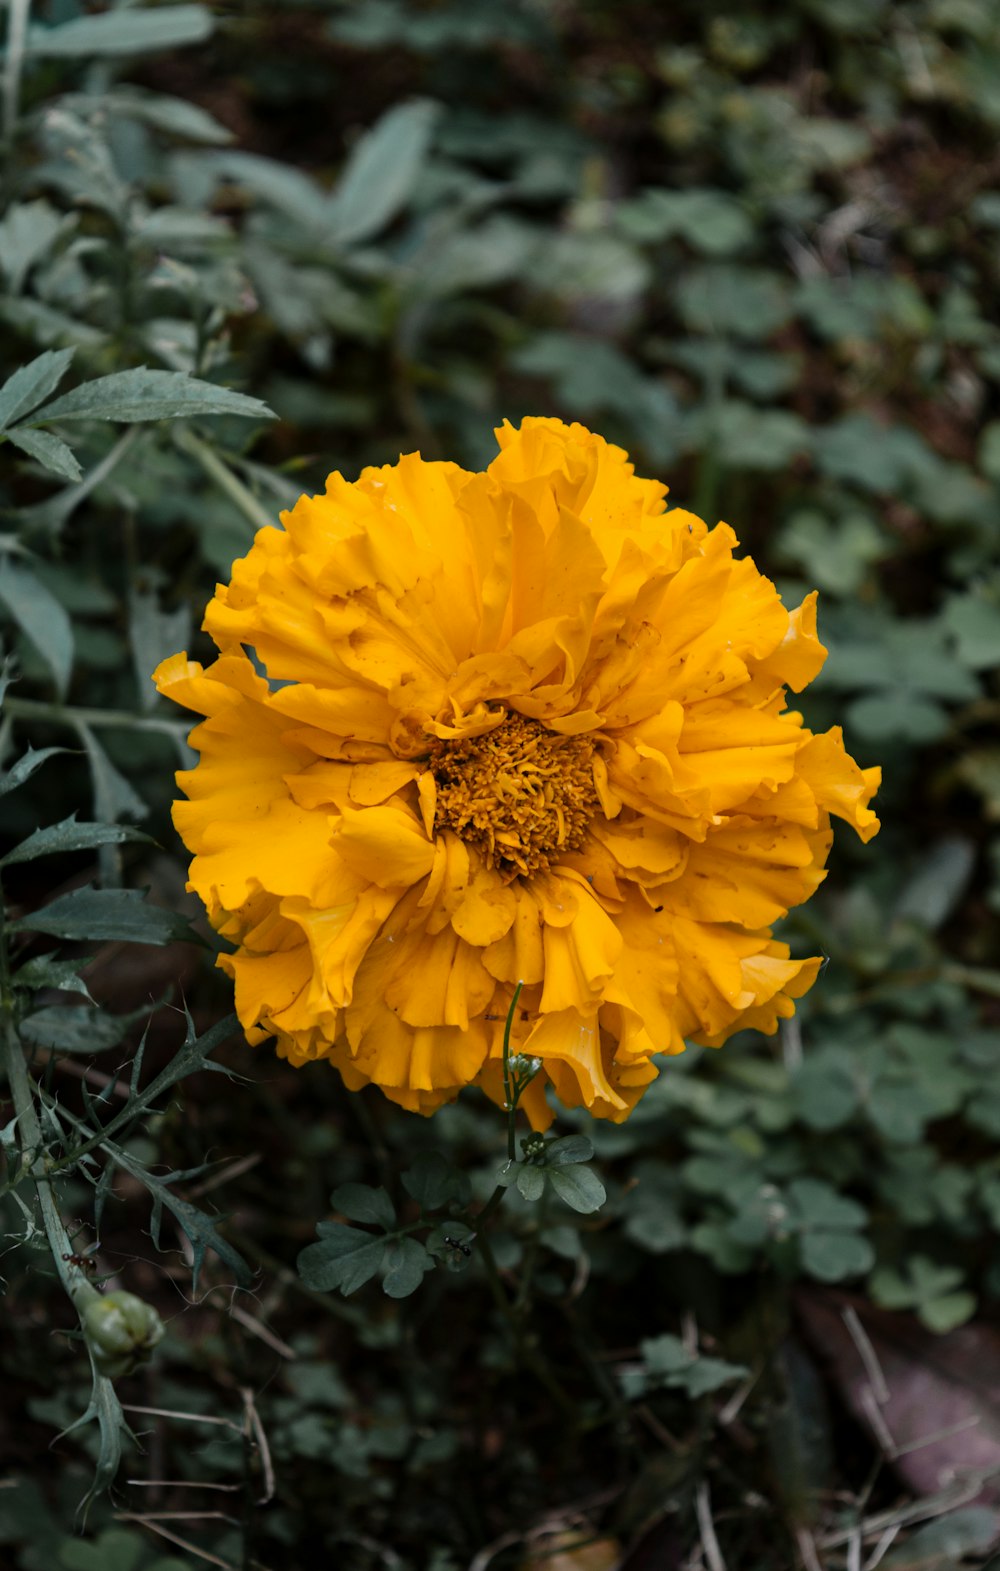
(31, 384)
(946, 1313)
(381, 171)
(934, 892)
(833, 1256)
(578, 1187)
(710, 1374)
(941, 1545)
(817, 1205)
(531, 1182)
(710, 221)
(362, 1203)
(48, 450)
(116, 1549)
(974, 623)
(48, 971)
(25, 767)
(898, 716)
(122, 32)
(153, 635)
(343, 1257)
(434, 1183)
(73, 1028)
(568, 1149)
(41, 618)
(164, 113)
(748, 302)
(114, 797)
(406, 1260)
(69, 835)
(143, 394)
(102, 914)
(28, 231)
(824, 1094)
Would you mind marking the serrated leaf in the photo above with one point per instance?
(434, 1183)
(103, 914)
(25, 767)
(578, 1187)
(48, 971)
(363, 1203)
(142, 394)
(69, 835)
(343, 1257)
(73, 1028)
(41, 618)
(31, 384)
(121, 32)
(407, 1260)
(48, 450)
(381, 171)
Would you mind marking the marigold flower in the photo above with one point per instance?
(523, 725)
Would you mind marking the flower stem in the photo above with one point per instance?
(511, 1094)
(527, 1353)
(224, 478)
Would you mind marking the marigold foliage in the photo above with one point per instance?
(523, 725)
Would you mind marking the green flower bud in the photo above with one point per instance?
(121, 1332)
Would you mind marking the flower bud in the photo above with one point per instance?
(121, 1332)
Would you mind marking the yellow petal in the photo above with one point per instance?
(385, 845)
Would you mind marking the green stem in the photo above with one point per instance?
(526, 1352)
(17, 37)
(224, 478)
(510, 1096)
(66, 714)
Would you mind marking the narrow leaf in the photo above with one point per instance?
(381, 171)
(70, 836)
(41, 618)
(123, 32)
(31, 384)
(73, 1028)
(48, 971)
(48, 450)
(25, 767)
(142, 394)
(103, 914)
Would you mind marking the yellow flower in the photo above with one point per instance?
(524, 725)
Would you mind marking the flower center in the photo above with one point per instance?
(521, 795)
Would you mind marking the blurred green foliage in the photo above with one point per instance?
(760, 248)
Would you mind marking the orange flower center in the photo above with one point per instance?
(522, 795)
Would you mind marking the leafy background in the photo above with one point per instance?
(760, 248)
